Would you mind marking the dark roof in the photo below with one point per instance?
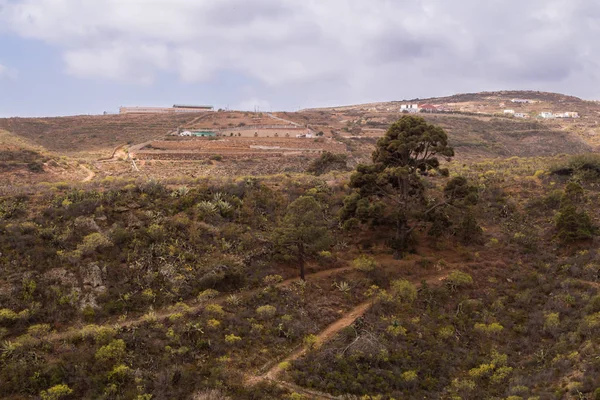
(191, 106)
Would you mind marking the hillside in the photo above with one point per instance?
(93, 136)
(170, 267)
(25, 163)
(134, 289)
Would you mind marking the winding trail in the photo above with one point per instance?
(323, 337)
(90, 174)
(170, 310)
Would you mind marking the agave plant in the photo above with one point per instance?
(219, 196)
(8, 348)
(223, 206)
(180, 192)
(234, 300)
(343, 287)
(207, 208)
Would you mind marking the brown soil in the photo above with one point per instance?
(168, 311)
(323, 337)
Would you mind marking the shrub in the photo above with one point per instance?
(409, 376)
(208, 294)
(311, 341)
(232, 339)
(56, 392)
(458, 279)
(214, 309)
(586, 166)
(266, 311)
(446, 332)
(572, 225)
(272, 280)
(213, 323)
(328, 162)
(285, 365)
(38, 330)
(551, 321)
(396, 330)
(7, 315)
(93, 242)
(119, 373)
(489, 329)
(404, 290)
(114, 351)
(482, 370)
(365, 263)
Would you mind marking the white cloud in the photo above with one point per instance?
(378, 48)
(7, 73)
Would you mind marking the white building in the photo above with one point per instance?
(523, 101)
(185, 133)
(411, 108)
(509, 112)
(546, 114)
(521, 115)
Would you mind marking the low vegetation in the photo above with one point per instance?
(476, 280)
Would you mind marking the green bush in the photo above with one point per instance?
(266, 311)
(585, 166)
(56, 392)
(93, 242)
(7, 315)
(365, 263)
(328, 162)
(404, 290)
(114, 351)
(232, 339)
(573, 225)
(458, 279)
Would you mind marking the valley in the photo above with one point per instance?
(140, 262)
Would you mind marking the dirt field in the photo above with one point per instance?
(93, 136)
(236, 147)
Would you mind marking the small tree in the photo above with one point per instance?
(572, 224)
(303, 232)
(409, 148)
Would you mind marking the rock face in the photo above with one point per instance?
(93, 285)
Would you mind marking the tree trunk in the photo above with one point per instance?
(301, 259)
(401, 239)
(402, 228)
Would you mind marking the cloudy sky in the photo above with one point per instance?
(61, 57)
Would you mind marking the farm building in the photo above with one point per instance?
(204, 134)
(521, 115)
(510, 112)
(190, 108)
(546, 114)
(145, 110)
(165, 110)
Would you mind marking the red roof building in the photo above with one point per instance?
(428, 107)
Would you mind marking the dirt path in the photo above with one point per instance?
(325, 335)
(90, 174)
(284, 120)
(168, 311)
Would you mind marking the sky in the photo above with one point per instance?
(67, 57)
